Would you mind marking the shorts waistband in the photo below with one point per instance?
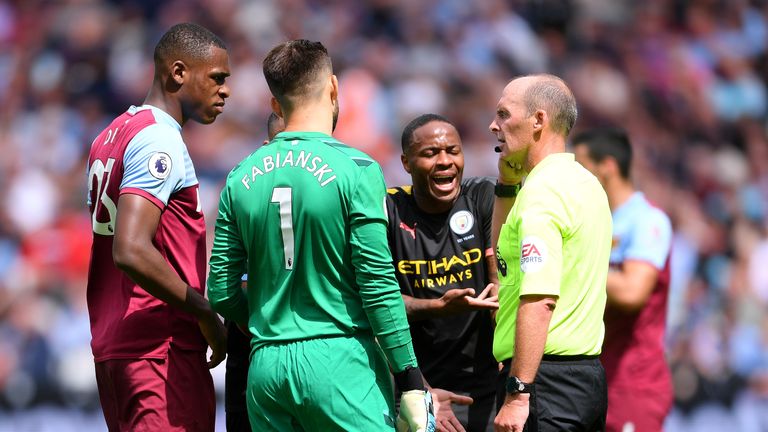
(559, 358)
(567, 358)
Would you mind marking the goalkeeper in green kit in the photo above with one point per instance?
(304, 218)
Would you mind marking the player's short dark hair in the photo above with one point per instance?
(607, 142)
(186, 41)
(274, 126)
(551, 94)
(407, 138)
(292, 69)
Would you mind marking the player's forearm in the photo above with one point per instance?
(533, 317)
(630, 291)
(228, 300)
(419, 309)
(620, 294)
(389, 324)
(147, 267)
(386, 313)
(380, 294)
(225, 285)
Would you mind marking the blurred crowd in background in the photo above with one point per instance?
(687, 79)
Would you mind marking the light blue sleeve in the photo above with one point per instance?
(155, 162)
(651, 239)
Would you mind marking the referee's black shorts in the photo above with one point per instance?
(570, 394)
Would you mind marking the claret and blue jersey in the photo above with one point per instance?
(142, 153)
(642, 232)
(633, 352)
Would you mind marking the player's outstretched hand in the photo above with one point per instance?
(459, 300)
(444, 415)
(416, 412)
(216, 335)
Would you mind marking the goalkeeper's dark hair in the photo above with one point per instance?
(407, 138)
(294, 70)
(186, 41)
(607, 143)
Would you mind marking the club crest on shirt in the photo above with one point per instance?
(533, 254)
(160, 165)
(461, 222)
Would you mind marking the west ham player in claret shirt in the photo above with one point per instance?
(639, 382)
(149, 318)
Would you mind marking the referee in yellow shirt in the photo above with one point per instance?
(553, 237)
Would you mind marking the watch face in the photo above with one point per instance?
(514, 386)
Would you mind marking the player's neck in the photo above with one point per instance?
(619, 192)
(309, 118)
(428, 204)
(159, 99)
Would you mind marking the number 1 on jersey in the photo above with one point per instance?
(283, 196)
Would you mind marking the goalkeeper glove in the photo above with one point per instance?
(416, 411)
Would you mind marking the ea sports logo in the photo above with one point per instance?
(530, 249)
(533, 254)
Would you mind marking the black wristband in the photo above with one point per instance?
(409, 379)
(502, 190)
(515, 386)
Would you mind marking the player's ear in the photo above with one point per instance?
(539, 118)
(276, 106)
(404, 160)
(334, 88)
(612, 166)
(179, 72)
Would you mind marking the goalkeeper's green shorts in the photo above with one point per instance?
(325, 384)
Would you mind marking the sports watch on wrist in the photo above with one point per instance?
(502, 190)
(515, 386)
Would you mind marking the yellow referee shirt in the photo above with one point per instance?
(556, 241)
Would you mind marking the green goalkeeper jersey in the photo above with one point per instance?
(304, 217)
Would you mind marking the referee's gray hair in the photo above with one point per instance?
(551, 93)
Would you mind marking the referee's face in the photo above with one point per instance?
(435, 161)
(512, 124)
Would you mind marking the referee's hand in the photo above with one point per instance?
(513, 414)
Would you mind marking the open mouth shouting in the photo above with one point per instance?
(444, 184)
